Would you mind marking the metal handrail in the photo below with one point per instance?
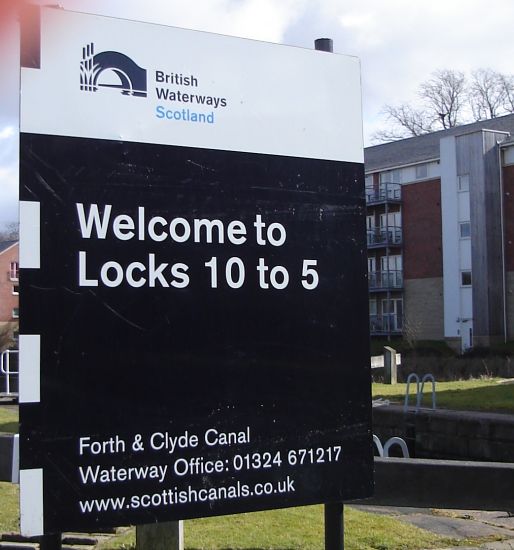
(396, 441)
(420, 386)
(391, 234)
(385, 191)
(388, 322)
(383, 450)
(385, 279)
(429, 378)
(412, 376)
(5, 368)
(378, 445)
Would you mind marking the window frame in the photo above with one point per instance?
(418, 168)
(461, 225)
(463, 274)
(460, 179)
(388, 176)
(14, 271)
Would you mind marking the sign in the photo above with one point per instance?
(194, 322)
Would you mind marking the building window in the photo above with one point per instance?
(14, 273)
(391, 263)
(372, 307)
(463, 182)
(421, 171)
(392, 310)
(465, 278)
(392, 219)
(465, 230)
(391, 176)
(15, 290)
(15, 312)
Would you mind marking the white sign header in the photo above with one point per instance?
(122, 80)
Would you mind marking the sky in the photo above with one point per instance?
(399, 43)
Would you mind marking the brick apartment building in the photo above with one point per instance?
(9, 273)
(440, 223)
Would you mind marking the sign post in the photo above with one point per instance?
(194, 324)
(334, 512)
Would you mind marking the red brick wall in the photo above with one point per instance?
(422, 232)
(8, 301)
(508, 204)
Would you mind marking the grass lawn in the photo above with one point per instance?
(9, 510)
(487, 394)
(300, 529)
(289, 529)
(8, 420)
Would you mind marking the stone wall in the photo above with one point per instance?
(451, 435)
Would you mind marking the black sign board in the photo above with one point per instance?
(200, 320)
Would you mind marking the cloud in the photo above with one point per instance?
(6, 132)
(8, 174)
(401, 42)
(8, 193)
(257, 19)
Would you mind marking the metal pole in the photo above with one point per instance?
(7, 373)
(160, 536)
(388, 302)
(334, 526)
(50, 542)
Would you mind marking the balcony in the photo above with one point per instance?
(386, 192)
(384, 237)
(385, 280)
(380, 325)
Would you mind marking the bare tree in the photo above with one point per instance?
(10, 232)
(443, 98)
(487, 94)
(6, 340)
(508, 88)
(447, 99)
(407, 122)
(444, 95)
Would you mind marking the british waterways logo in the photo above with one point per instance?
(111, 70)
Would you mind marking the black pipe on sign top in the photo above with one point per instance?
(324, 45)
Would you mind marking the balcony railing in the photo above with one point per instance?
(384, 280)
(385, 324)
(386, 192)
(385, 236)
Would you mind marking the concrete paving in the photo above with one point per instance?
(456, 524)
